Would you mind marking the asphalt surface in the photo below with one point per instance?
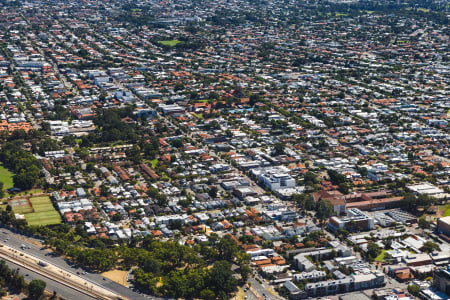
(262, 290)
(46, 255)
(61, 290)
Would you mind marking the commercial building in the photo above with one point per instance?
(348, 284)
(276, 178)
(355, 220)
(441, 280)
(443, 226)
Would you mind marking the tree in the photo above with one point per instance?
(414, 289)
(343, 188)
(409, 202)
(310, 178)
(305, 201)
(69, 140)
(373, 250)
(221, 279)
(207, 294)
(363, 171)
(430, 247)
(227, 248)
(254, 98)
(335, 177)
(36, 288)
(24, 180)
(213, 192)
(423, 223)
(245, 271)
(278, 148)
(425, 201)
(177, 143)
(324, 209)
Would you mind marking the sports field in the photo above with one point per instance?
(41, 204)
(37, 210)
(20, 206)
(43, 218)
(43, 212)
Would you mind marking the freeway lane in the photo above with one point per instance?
(61, 290)
(15, 242)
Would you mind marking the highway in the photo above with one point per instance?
(61, 290)
(15, 241)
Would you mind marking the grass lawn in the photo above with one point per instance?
(6, 177)
(40, 200)
(170, 43)
(43, 212)
(381, 256)
(22, 209)
(43, 218)
(338, 14)
(446, 209)
(420, 9)
(198, 116)
(33, 191)
(154, 162)
(40, 212)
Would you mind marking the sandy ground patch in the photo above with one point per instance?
(240, 295)
(117, 276)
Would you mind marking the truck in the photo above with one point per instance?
(42, 264)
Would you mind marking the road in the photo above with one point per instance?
(264, 290)
(61, 290)
(15, 241)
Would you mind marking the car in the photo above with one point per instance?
(5, 241)
(78, 273)
(26, 274)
